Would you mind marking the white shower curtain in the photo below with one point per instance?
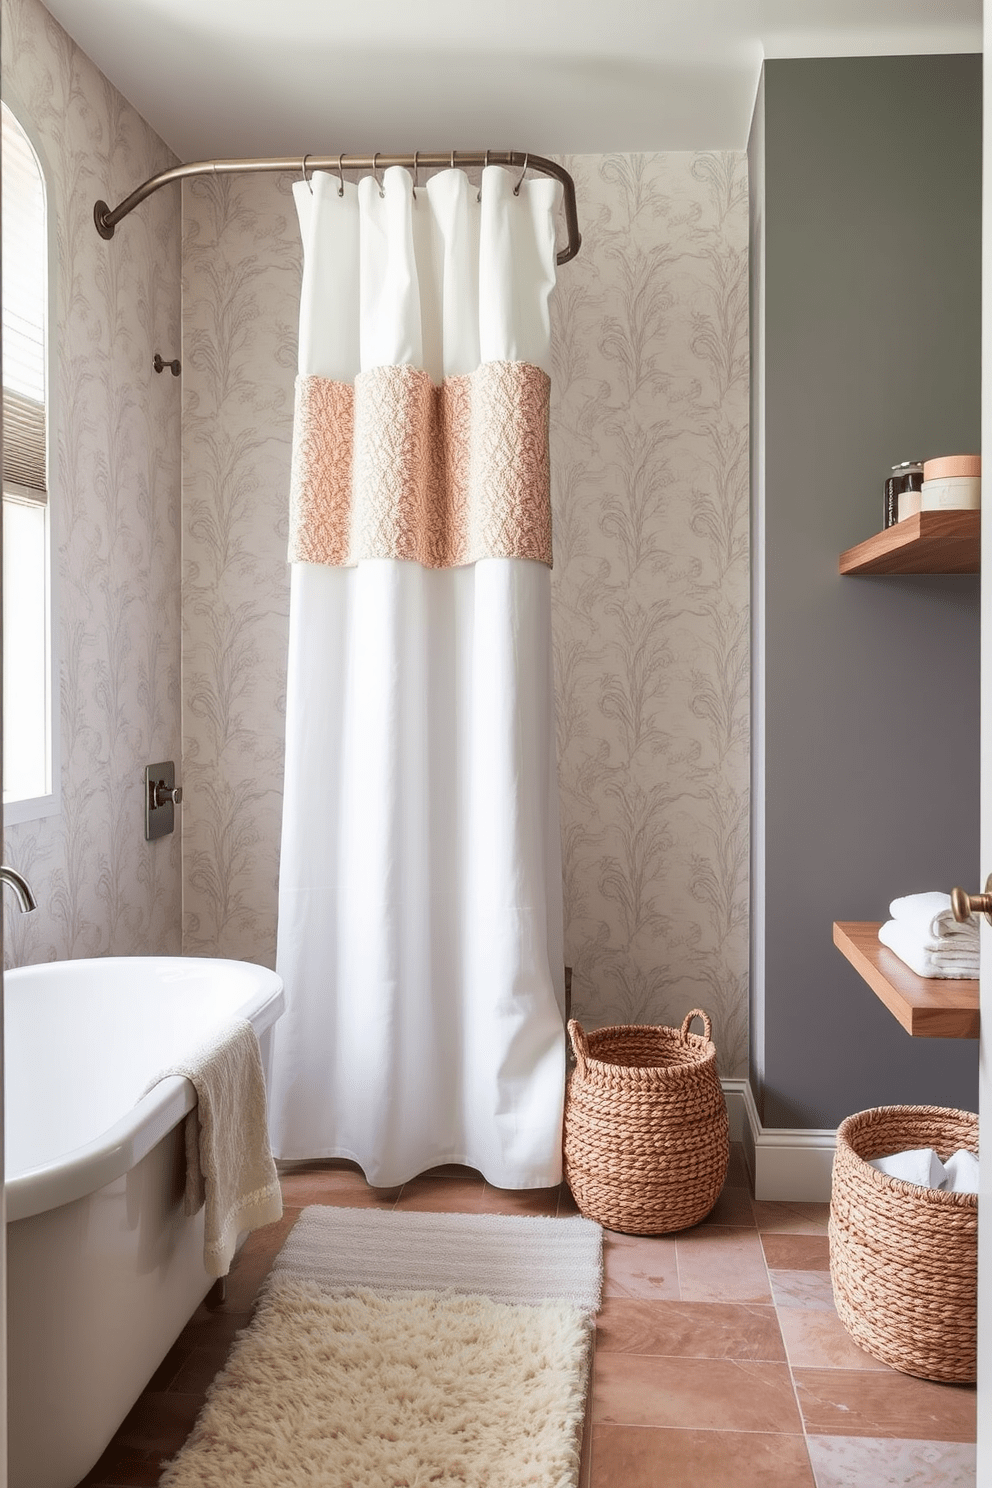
(420, 916)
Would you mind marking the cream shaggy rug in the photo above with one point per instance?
(335, 1385)
(366, 1391)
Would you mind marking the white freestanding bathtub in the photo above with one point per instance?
(104, 1268)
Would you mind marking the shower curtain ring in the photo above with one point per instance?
(452, 160)
(375, 173)
(516, 189)
(416, 172)
(341, 174)
(305, 176)
(485, 167)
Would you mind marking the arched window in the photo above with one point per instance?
(28, 722)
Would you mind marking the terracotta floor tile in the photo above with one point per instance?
(816, 1339)
(541, 1201)
(264, 1244)
(790, 1219)
(640, 1266)
(458, 1195)
(585, 1461)
(737, 1173)
(200, 1369)
(357, 1198)
(159, 1423)
(639, 1457)
(714, 1394)
(566, 1204)
(865, 1402)
(803, 1289)
(254, 1262)
(333, 1184)
(867, 1462)
(701, 1330)
(733, 1207)
(122, 1468)
(722, 1264)
(796, 1252)
(170, 1365)
(444, 1196)
(206, 1329)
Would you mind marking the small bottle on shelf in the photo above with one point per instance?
(902, 492)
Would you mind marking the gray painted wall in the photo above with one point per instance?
(867, 698)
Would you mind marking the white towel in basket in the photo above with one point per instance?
(922, 1166)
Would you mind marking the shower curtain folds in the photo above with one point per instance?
(420, 917)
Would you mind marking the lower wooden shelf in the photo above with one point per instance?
(925, 1006)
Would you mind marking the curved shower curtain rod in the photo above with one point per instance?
(107, 218)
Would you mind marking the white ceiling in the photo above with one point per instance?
(272, 77)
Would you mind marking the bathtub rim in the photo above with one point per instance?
(86, 1169)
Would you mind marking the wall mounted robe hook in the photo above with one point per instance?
(175, 366)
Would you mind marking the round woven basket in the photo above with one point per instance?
(904, 1259)
(646, 1136)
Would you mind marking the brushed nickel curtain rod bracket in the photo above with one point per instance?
(107, 218)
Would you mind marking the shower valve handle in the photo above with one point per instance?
(163, 794)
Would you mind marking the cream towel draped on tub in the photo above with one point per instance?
(229, 1166)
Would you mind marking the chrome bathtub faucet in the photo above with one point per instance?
(25, 898)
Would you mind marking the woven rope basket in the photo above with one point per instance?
(904, 1259)
(646, 1136)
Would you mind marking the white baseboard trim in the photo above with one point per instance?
(787, 1164)
(733, 1091)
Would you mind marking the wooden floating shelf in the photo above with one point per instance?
(926, 1007)
(932, 542)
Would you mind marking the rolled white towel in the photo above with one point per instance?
(931, 915)
(962, 1172)
(948, 961)
(920, 1165)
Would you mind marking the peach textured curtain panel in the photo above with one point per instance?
(420, 902)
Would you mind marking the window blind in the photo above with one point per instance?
(25, 305)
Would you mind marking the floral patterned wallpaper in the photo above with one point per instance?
(103, 890)
(650, 462)
(242, 263)
(649, 448)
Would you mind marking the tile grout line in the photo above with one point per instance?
(678, 1269)
(788, 1359)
